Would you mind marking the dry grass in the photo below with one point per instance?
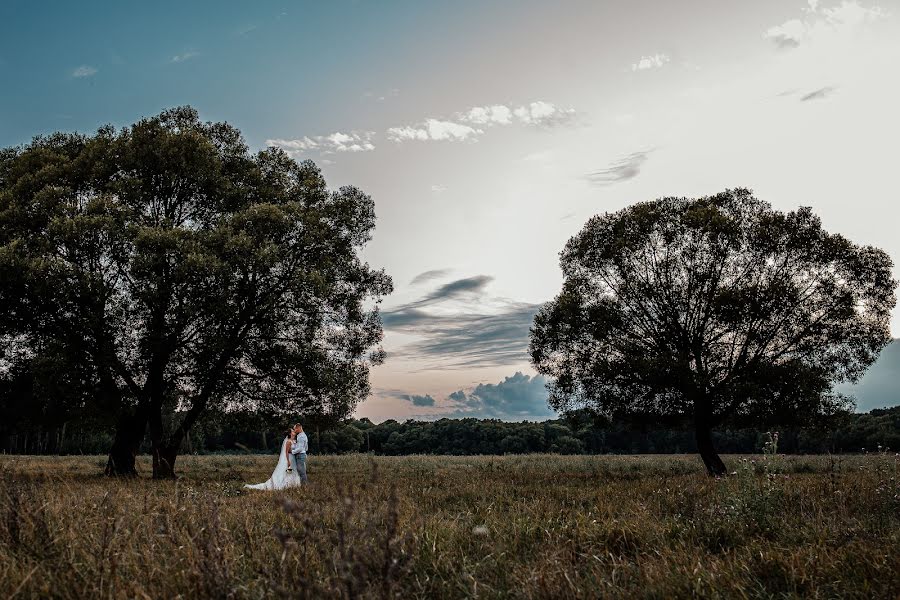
(450, 527)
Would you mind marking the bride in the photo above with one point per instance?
(284, 475)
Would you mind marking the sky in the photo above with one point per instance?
(489, 132)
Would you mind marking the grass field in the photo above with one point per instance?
(535, 526)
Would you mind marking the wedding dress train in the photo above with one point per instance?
(281, 478)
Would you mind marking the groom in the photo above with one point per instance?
(298, 451)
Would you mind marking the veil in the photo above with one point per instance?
(278, 480)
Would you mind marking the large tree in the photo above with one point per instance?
(182, 272)
(712, 310)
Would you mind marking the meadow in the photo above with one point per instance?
(528, 526)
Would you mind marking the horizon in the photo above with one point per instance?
(485, 156)
(547, 419)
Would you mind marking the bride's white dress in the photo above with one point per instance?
(280, 478)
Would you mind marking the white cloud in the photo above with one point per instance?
(434, 129)
(356, 141)
(84, 71)
(843, 18)
(650, 62)
(787, 35)
(482, 115)
(543, 114)
(463, 126)
(470, 124)
(539, 113)
(438, 188)
(183, 57)
(399, 134)
(448, 130)
(851, 14)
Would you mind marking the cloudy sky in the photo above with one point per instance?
(488, 132)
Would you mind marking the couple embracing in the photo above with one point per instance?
(291, 468)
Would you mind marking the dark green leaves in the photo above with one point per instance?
(167, 261)
(720, 298)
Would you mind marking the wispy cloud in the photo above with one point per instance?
(627, 167)
(429, 276)
(84, 71)
(355, 141)
(183, 57)
(454, 289)
(472, 123)
(438, 188)
(381, 97)
(821, 23)
(818, 94)
(654, 61)
(468, 338)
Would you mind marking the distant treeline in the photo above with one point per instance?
(238, 432)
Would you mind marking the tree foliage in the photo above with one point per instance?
(580, 432)
(174, 271)
(715, 310)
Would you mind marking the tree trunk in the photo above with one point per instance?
(53, 440)
(165, 453)
(163, 459)
(714, 465)
(126, 444)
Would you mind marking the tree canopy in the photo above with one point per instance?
(712, 310)
(165, 269)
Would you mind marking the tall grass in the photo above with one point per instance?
(536, 526)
